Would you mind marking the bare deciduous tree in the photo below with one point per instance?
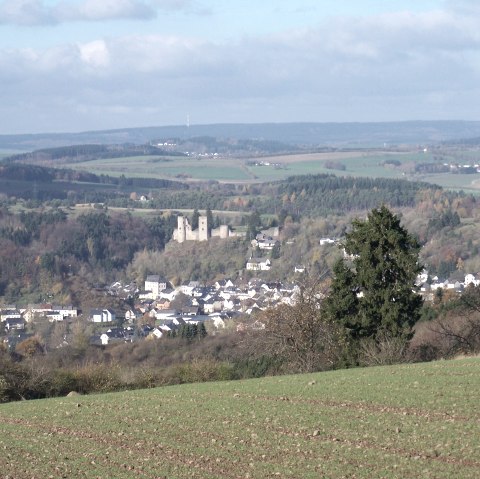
(301, 335)
(459, 329)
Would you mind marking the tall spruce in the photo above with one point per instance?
(195, 217)
(210, 221)
(373, 289)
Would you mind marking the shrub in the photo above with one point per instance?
(98, 378)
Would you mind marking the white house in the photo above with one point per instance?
(470, 279)
(10, 314)
(223, 284)
(258, 264)
(168, 294)
(66, 311)
(155, 284)
(326, 241)
(55, 316)
(14, 323)
(166, 314)
(188, 287)
(113, 335)
(102, 316)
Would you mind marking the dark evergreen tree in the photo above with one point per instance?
(202, 331)
(275, 253)
(209, 221)
(193, 331)
(375, 295)
(194, 221)
(342, 302)
(253, 225)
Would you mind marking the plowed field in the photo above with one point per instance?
(411, 421)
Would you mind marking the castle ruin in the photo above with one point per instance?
(184, 231)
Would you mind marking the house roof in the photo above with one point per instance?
(155, 278)
(258, 260)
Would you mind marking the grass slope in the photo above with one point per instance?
(410, 421)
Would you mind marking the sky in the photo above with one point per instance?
(81, 65)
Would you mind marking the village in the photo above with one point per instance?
(159, 309)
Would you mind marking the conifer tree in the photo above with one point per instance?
(375, 294)
(195, 216)
(202, 331)
(210, 224)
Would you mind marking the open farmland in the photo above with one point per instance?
(182, 168)
(366, 163)
(409, 421)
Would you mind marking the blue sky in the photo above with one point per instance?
(75, 65)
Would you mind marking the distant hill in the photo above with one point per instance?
(316, 134)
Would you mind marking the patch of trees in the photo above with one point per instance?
(33, 371)
(30, 225)
(431, 168)
(392, 162)
(464, 170)
(45, 254)
(451, 327)
(112, 241)
(445, 219)
(77, 153)
(192, 260)
(190, 332)
(328, 194)
(26, 173)
(334, 165)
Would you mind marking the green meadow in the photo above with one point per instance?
(236, 170)
(170, 168)
(407, 421)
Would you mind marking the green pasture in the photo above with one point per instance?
(365, 164)
(170, 168)
(408, 421)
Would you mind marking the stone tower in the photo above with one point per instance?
(181, 230)
(202, 228)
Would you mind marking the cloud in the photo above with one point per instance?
(25, 12)
(463, 6)
(94, 10)
(38, 12)
(385, 67)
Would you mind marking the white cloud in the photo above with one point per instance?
(38, 12)
(95, 54)
(95, 10)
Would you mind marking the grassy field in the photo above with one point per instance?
(170, 168)
(234, 170)
(410, 421)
